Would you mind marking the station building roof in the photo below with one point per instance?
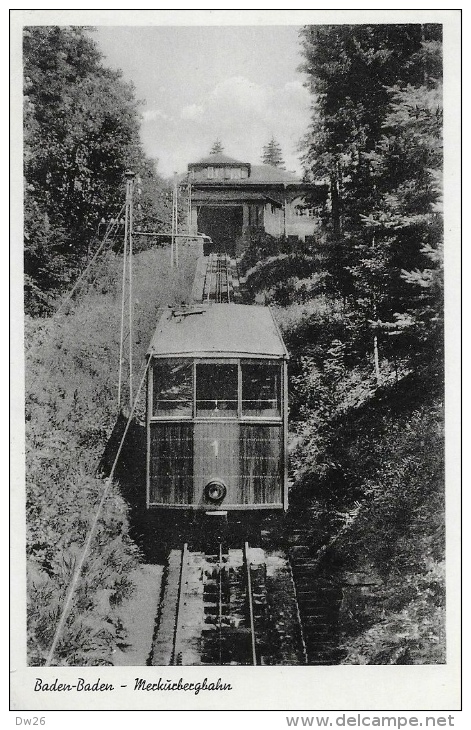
(237, 196)
(270, 174)
(218, 330)
(257, 174)
(219, 159)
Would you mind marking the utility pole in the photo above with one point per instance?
(172, 240)
(174, 244)
(127, 287)
(189, 206)
(176, 219)
(130, 176)
(284, 211)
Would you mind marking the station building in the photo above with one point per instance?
(231, 199)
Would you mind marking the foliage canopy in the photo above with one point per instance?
(81, 132)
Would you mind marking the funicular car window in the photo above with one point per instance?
(261, 389)
(216, 390)
(173, 388)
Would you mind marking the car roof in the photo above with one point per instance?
(218, 330)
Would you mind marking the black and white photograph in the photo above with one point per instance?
(236, 243)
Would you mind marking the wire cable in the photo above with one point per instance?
(91, 533)
(90, 264)
(81, 278)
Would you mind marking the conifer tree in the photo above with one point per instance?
(217, 148)
(376, 136)
(272, 154)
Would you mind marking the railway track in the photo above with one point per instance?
(226, 606)
(319, 598)
(221, 281)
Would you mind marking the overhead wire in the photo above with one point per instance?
(127, 269)
(82, 276)
(67, 297)
(78, 570)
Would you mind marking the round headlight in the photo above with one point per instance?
(215, 490)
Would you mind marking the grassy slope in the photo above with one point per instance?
(71, 406)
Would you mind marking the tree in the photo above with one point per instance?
(81, 134)
(272, 154)
(217, 148)
(376, 136)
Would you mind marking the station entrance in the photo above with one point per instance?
(223, 224)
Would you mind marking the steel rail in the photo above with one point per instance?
(209, 278)
(221, 282)
(220, 604)
(214, 279)
(298, 614)
(218, 281)
(178, 613)
(205, 284)
(220, 275)
(250, 604)
(228, 280)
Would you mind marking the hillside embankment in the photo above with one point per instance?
(367, 468)
(71, 409)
